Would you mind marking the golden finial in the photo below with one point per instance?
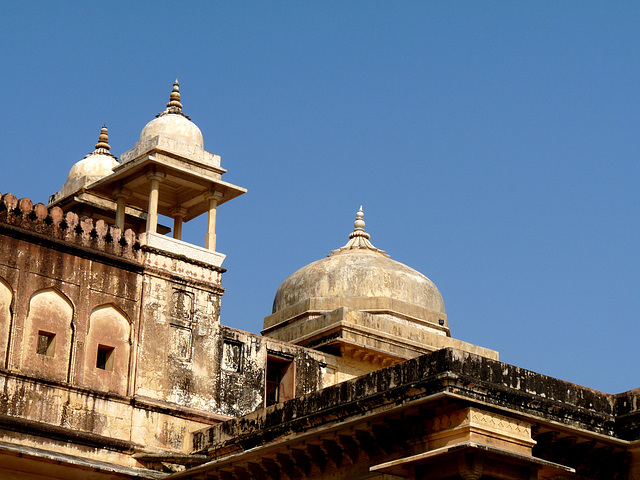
(102, 147)
(174, 106)
(103, 139)
(174, 98)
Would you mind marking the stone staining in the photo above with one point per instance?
(182, 305)
(232, 356)
(182, 325)
(114, 363)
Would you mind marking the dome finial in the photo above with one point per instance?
(174, 106)
(174, 98)
(103, 140)
(359, 239)
(358, 225)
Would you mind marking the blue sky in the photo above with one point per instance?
(493, 145)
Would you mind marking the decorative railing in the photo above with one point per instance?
(54, 223)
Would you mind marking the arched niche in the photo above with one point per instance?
(6, 297)
(107, 350)
(48, 334)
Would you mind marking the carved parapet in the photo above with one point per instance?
(68, 227)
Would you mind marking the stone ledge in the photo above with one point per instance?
(182, 249)
(447, 371)
(78, 462)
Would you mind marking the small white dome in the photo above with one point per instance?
(95, 165)
(175, 126)
(173, 123)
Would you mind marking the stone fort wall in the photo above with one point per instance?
(108, 347)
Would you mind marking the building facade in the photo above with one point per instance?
(114, 362)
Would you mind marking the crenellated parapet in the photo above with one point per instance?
(54, 223)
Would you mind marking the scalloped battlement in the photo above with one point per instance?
(68, 227)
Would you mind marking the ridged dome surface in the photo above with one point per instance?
(358, 270)
(358, 273)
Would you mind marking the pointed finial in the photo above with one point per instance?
(103, 139)
(174, 106)
(102, 147)
(359, 239)
(174, 98)
(358, 225)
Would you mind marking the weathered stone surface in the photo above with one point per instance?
(447, 371)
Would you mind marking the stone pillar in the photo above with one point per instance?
(178, 216)
(152, 213)
(121, 202)
(210, 240)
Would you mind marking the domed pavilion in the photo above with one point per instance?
(167, 172)
(360, 304)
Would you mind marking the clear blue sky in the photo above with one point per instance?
(494, 146)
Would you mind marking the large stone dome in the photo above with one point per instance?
(355, 274)
(359, 304)
(358, 270)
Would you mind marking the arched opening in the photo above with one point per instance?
(6, 297)
(107, 350)
(48, 335)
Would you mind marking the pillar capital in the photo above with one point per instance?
(213, 195)
(177, 212)
(119, 192)
(154, 175)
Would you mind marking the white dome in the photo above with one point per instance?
(173, 123)
(175, 126)
(94, 165)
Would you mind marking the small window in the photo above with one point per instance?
(104, 360)
(280, 384)
(274, 377)
(46, 344)
(232, 356)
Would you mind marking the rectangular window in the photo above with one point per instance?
(232, 356)
(104, 360)
(46, 344)
(274, 377)
(280, 381)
